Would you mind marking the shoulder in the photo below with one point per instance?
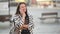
(15, 16)
(30, 16)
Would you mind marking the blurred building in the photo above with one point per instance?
(8, 7)
(40, 3)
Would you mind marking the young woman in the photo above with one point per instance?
(22, 21)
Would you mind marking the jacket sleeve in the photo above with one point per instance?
(31, 24)
(14, 22)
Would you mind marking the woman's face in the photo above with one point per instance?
(22, 8)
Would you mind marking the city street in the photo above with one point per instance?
(36, 13)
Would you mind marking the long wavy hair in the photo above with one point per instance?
(18, 12)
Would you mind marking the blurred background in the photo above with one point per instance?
(46, 15)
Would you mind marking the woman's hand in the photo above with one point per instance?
(24, 27)
(23, 15)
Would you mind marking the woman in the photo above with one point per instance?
(23, 23)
